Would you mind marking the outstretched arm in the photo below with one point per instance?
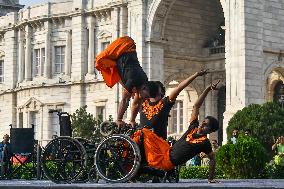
(201, 98)
(184, 84)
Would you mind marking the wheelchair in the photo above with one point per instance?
(119, 159)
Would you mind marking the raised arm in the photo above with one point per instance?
(184, 84)
(201, 98)
(275, 145)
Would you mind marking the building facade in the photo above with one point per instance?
(47, 57)
(7, 6)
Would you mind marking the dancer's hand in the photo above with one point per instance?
(202, 72)
(119, 123)
(133, 123)
(214, 85)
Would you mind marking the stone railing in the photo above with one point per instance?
(216, 50)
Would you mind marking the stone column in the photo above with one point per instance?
(154, 60)
(68, 52)
(21, 55)
(91, 49)
(47, 64)
(115, 16)
(123, 21)
(28, 54)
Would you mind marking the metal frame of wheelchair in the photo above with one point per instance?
(115, 159)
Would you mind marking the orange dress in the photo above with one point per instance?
(157, 150)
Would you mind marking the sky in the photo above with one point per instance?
(32, 2)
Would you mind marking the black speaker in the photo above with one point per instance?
(65, 125)
(22, 140)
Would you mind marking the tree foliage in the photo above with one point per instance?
(85, 125)
(265, 121)
(245, 159)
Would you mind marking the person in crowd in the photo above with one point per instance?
(5, 155)
(118, 63)
(279, 147)
(235, 136)
(204, 159)
(215, 145)
(247, 132)
(195, 161)
(159, 154)
(155, 110)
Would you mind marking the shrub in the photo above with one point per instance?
(259, 119)
(85, 125)
(198, 172)
(26, 172)
(245, 159)
(273, 171)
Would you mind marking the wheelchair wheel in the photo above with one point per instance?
(107, 128)
(64, 160)
(117, 158)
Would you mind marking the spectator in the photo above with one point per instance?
(5, 155)
(279, 147)
(195, 161)
(204, 159)
(235, 135)
(248, 132)
(215, 145)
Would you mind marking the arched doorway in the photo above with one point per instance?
(278, 96)
(185, 36)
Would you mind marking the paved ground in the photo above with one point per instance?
(190, 184)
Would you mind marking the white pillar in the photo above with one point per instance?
(123, 21)
(91, 49)
(21, 59)
(28, 54)
(68, 52)
(115, 22)
(47, 64)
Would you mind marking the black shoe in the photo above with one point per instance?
(156, 179)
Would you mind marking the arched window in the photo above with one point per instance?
(278, 96)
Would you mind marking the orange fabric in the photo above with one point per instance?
(151, 111)
(192, 140)
(157, 150)
(106, 60)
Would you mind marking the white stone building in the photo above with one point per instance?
(47, 53)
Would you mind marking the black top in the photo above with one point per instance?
(183, 150)
(155, 115)
(130, 71)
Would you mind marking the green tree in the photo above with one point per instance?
(265, 121)
(85, 125)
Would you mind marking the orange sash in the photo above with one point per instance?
(106, 60)
(157, 150)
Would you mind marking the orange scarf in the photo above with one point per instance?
(106, 60)
(190, 138)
